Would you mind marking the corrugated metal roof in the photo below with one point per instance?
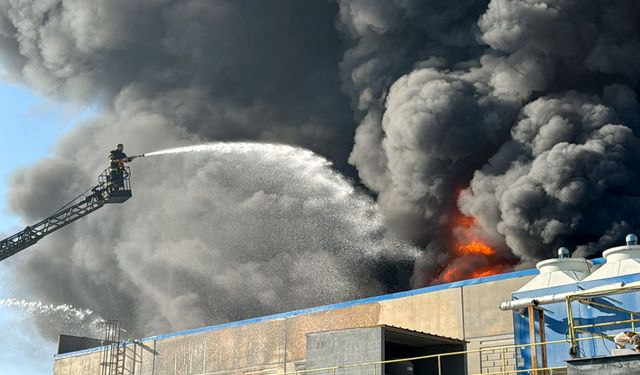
(450, 340)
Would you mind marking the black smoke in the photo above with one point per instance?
(543, 93)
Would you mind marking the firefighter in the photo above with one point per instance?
(117, 159)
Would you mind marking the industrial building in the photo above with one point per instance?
(565, 310)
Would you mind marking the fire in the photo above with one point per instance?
(470, 255)
(491, 270)
(465, 241)
(476, 247)
(463, 268)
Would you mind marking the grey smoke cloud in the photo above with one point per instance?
(429, 143)
(530, 106)
(208, 237)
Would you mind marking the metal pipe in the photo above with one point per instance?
(593, 325)
(572, 334)
(153, 362)
(532, 336)
(543, 348)
(610, 307)
(559, 297)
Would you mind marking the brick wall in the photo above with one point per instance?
(496, 360)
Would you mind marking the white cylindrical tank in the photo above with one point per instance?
(619, 261)
(559, 271)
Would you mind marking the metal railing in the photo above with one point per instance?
(576, 330)
(376, 366)
(505, 367)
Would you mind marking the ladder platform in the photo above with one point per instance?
(119, 196)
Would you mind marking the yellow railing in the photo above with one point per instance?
(505, 368)
(575, 330)
(376, 366)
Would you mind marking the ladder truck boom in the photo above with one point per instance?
(110, 189)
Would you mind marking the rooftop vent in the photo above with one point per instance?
(563, 252)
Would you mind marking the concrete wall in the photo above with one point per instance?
(468, 312)
(485, 325)
(352, 317)
(86, 364)
(347, 346)
(438, 313)
(480, 305)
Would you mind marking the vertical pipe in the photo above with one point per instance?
(153, 362)
(633, 324)
(532, 338)
(141, 356)
(133, 360)
(285, 345)
(572, 334)
(543, 339)
(439, 365)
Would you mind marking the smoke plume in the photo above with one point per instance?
(488, 133)
(544, 92)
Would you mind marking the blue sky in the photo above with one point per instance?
(29, 127)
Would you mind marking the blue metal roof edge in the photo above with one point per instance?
(80, 352)
(597, 261)
(317, 309)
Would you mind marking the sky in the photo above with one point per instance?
(29, 127)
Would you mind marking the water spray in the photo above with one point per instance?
(70, 319)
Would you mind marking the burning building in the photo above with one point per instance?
(449, 328)
(531, 106)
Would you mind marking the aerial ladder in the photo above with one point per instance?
(111, 189)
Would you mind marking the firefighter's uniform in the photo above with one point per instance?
(116, 166)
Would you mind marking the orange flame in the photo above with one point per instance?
(476, 247)
(466, 241)
(493, 270)
(471, 257)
